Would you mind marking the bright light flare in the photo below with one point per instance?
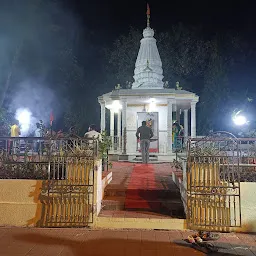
(239, 120)
(23, 115)
(152, 105)
(115, 106)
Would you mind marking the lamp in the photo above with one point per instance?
(152, 105)
(115, 106)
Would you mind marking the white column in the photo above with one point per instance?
(169, 125)
(178, 115)
(102, 117)
(193, 119)
(124, 134)
(119, 130)
(112, 127)
(186, 124)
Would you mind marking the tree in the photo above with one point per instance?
(6, 120)
(214, 96)
(121, 57)
(218, 99)
(184, 54)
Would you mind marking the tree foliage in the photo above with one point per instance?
(184, 53)
(121, 58)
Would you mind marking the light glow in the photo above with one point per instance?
(23, 115)
(152, 105)
(239, 120)
(116, 106)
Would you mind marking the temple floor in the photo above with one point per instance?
(142, 191)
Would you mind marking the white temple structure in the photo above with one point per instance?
(149, 101)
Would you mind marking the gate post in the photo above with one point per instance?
(97, 188)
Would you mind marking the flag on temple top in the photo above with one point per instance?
(51, 118)
(148, 9)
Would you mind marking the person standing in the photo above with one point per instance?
(38, 134)
(73, 140)
(15, 132)
(92, 134)
(175, 131)
(144, 134)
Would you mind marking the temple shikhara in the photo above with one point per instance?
(148, 100)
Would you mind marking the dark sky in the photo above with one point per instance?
(111, 18)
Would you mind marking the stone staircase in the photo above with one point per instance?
(152, 159)
(165, 201)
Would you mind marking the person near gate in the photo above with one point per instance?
(93, 136)
(144, 134)
(15, 132)
(38, 134)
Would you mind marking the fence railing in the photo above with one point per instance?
(116, 143)
(42, 158)
(242, 151)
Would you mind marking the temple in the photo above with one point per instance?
(148, 100)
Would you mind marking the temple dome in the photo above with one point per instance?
(148, 73)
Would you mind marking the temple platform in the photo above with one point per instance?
(154, 158)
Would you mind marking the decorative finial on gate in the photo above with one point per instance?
(148, 16)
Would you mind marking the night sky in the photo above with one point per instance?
(111, 18)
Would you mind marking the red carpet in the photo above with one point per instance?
(139, 191)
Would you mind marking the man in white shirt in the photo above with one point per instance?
(92, 134)
(38, 134)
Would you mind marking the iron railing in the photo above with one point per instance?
(116, 143)
(69, 192)
(65, 165)
(30, 157)
(213, 183)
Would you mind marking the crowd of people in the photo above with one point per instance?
(144, 134)
(41, 132)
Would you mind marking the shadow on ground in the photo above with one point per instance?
(84, 244)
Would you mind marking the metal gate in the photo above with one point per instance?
(213, 183)
(70, 189)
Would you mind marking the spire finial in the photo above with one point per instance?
(148, 16)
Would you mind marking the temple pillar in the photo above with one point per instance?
(119, 130)
(102, 116)
(185, 124)
(178, 115)
(193, 119)
(112, 127)
(124, 133)
(169, 125)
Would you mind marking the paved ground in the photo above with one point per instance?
(78, 242)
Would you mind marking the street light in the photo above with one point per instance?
(239, 120)
(115, 106)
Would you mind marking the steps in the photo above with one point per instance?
(164, 200)
(142, 197)
(118, 191)
(172, 208)
(152, 159)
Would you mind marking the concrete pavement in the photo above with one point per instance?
(78, 242)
